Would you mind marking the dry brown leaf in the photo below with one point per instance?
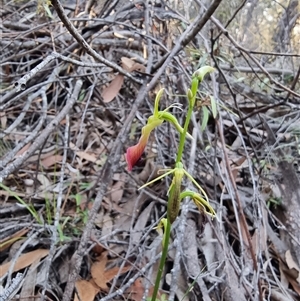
(112, 90)
(8, 241)
(139, 67)
(101, 276)
(130, 65)
(290, 277)
(283, 277)
(51, 160)
(295, 285)
(111, 273)
(45, 182)
(3, 120)
(84, 155)
(124, 219)
(24, 261)
(136, 290)
(237, 166)
(30, 282)
(150, 170)
(141, 224)
(259, 240)
(107, 225)
(97, 271)
(98, 248)
(117, 189)
(127, 63)
(293, 266)
(86, 291)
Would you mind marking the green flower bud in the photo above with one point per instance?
(200, 73)
(161, 227)
(190, 95)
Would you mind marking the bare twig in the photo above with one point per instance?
(13, 288)
(21, 83)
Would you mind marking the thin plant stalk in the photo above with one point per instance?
(167, 229)
(162, 259)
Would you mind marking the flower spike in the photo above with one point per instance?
(201, 72)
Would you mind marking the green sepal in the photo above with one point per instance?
(201, 202)
(156, 102)
(152, 123)
(166, 116)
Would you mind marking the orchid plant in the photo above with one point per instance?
(175, 193)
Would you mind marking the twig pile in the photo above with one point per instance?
(78, 81)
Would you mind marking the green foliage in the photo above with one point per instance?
(205, 118)
(274, 202)
(29, 207)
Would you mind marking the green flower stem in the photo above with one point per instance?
(163, 258)
(195, 83)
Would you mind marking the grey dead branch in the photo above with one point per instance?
(75, 93)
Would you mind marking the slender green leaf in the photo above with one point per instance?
(213, 104)
(48, 11)
(30, 208)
